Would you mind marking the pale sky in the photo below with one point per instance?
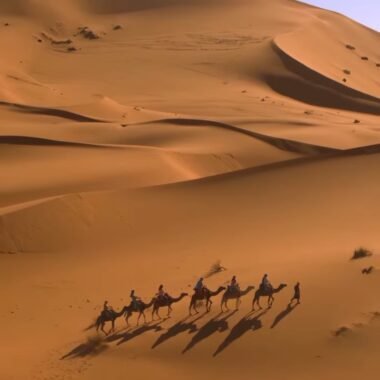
(366, 12)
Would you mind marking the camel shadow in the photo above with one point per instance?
(94, 346)
(283, 314)
(180, 327)
(245, 324)
(134, 333)
(212, 326)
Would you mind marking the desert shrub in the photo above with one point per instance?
(361, 253)
(341, 331)
(215, 268)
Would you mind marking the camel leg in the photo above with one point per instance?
(102, 328)
(258, 303)
(169, 311)
(143, 313)
(138, 319)
(270, 301)
(208, 306)
(127, 318)
(112, 326)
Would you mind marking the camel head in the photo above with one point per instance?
(282, 286)
(247, 290)
(221, 288)
(184, 294)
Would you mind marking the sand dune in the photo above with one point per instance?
(142, 142)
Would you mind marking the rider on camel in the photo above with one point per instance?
(265, 283)
(107, 307)
(199, 287)
(161, 294)
(234, 284)
(135, 300)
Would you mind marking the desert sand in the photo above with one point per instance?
(143, 141)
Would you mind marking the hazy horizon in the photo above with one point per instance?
(365, 11)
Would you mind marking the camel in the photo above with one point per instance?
(266, 293)
(108, 316)
(234, 294)
(205, 295)
(141, 310)
(163, 302)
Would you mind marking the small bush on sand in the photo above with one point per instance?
(341, 331)
(361, 253)
(215, 268)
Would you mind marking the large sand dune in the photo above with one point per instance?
(141, 141)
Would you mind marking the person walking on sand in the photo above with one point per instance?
(297, 294)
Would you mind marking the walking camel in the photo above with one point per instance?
(140, 309)
(108, 316)
(262, 292)
(234, 294)
(204, 296)
(165, 302)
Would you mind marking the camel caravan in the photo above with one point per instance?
(202, 295)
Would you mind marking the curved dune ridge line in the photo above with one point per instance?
(143, 142)
(75, 167)
(314, 88)
(49, 112)
(54, 221)
(350, 42)
(283, 144)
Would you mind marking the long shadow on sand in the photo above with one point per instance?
(94, 346)
(187, 324)
(244, 325)
(283, 314)
(134, 333)
(214, 325)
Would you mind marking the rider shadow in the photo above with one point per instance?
(178, 328)
(212, 326)
(283, 314)
(245, 324)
